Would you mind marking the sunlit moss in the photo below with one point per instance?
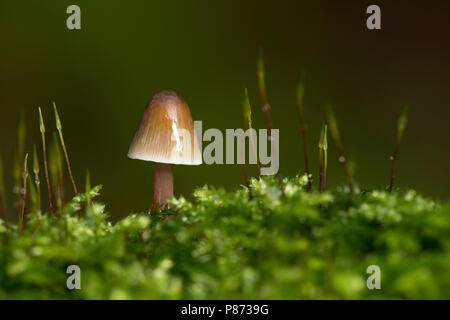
(221, 245)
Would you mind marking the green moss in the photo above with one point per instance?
(223, 245)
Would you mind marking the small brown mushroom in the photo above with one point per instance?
(166, 136)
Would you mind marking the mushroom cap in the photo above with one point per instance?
(166, 133)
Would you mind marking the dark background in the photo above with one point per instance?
(103, 75)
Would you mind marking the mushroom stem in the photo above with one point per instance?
(162, 185)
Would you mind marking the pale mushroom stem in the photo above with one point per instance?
(162, 185)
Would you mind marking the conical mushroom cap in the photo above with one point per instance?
(166, 133)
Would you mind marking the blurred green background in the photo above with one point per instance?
(103, 75)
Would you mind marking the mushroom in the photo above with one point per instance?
(165, 136)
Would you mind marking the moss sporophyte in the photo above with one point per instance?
(44, 155)
(334, 129)
(303, 128)
(401, 126)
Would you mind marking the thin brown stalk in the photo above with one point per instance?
(37, 180)
(3, 209)
(301, 119)
(44, 152)
(401, 126)
(38, 191)
(56, 171)
(280, 182)
(335, 135)
(248, 126)
(263, 93)
(260, 73)
(323, 159)
(24, 202)
(393, 161)
(245, 175)
(66, 155)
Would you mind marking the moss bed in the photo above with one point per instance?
(221, 245)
